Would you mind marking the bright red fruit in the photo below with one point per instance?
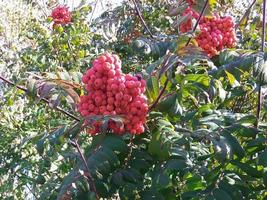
(61, 15)
(110, 92)
(216, 33)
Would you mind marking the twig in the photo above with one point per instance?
(245, 14)
(262, 49)
(13, 84)
(142, 19)
(91, 18)
(159, 96)
(89, 176)
(198, 20)
(35, 196)
(43, 99)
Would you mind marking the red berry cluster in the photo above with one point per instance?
(110, 92)
(215, 34)
(61, 15)
(187, 24)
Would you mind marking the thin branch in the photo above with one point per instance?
(13, 84)
(259, 106)
(89, 176)
(245, 14)
(35, 196)
(91, 18)
(43, 99)
(160, 95)
(198, 20)
(142, 19)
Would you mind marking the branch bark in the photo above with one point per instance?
(43, 99)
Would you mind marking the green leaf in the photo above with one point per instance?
(248, 169)
(162, 180)
(265, 179)
(32, 88)
(220, 194)
(263, 158)
(171, 106)
(152, 88)
(199, 78)
(115, 143)
(158, 148)
(233, 82)
(232, 190)
(227, 56)
(117, 179)
(260, 69)
(175, 165)
(195, 182)
(234, 144)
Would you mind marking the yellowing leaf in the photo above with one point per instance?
(233, 82)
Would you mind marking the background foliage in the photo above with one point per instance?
(201, 141)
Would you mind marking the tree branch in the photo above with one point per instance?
(142, 19)
(89, 176)
(245, 14)
(43, 99)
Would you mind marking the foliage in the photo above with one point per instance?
(203, 139)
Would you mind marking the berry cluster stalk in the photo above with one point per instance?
(198, 20)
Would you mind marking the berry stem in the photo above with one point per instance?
(142, 19)
(198, 20)
(43, 99)
(89, 176)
